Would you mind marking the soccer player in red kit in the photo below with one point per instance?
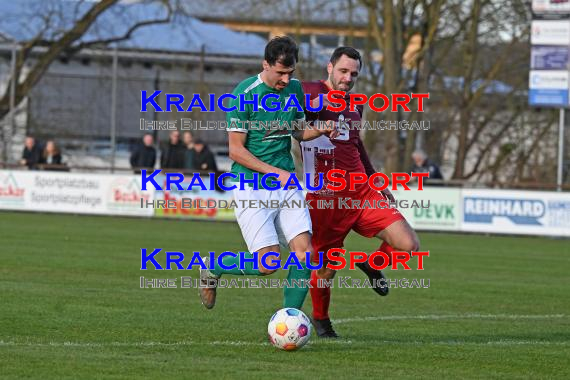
(346, 152)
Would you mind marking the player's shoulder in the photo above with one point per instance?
(295, 85)
(248, 84)
(314, 88)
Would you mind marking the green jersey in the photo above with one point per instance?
(271, 145)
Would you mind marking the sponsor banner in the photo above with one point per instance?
(72, 193)
(185, 202)
(436, 208)
(516, 212)
(554, 98)
(550, 32)
(550, 6)
(549, 57)
(123, 195)
(548, 88)
(548, 80)
(444, 211)
(14, 187)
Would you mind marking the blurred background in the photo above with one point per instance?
(81, 66)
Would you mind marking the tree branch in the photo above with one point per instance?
(74, 49)
(490, 144)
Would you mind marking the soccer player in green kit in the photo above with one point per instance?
(260, 150)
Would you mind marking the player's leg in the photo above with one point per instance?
(294, 224)
(321, 296)
(401, 236)
(330, 227)
(397, 236)
(375, 276)
(383, 223)
(249, 265)
(209, 278)
(294, 295)
(258, 230)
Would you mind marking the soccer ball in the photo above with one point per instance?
(289, 329)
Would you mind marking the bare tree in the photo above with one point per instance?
(392, 27)
(64, 29)
(473, 59)
(489, 132)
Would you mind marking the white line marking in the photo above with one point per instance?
(314, 341)
(151, 344)
(259, 344)
(450, 316)
(235, 343)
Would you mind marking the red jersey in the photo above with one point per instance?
(345, 152)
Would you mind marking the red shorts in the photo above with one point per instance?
(331, 226)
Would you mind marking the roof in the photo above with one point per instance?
(21, 20)
(305, 11)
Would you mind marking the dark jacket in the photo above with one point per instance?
(143, 157)
(205, 160)
(173, 156)
(189, 158)
(32, 156)
(428, 167)
(55, 159)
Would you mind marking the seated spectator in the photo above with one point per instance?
(32, 154)
(190, 152)
(422, 164)
(144, 155)
(174, 153)
(51, 156)
(203, 157)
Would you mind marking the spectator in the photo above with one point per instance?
(422, 164)
(144, 156)
(190, 152)
(174, 153)
(32, 154)
(203, 157)
(51, 156)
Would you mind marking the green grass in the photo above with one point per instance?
(71, 307)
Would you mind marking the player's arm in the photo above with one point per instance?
(309, 131)
(237, 138)
(369, 168)
(240, 154)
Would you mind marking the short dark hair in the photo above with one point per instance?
(283, 50)
(350, 52)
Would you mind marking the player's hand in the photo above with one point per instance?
(329, 129)
(316, 103)
(283, 176)
(334, 134)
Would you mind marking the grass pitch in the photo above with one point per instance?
(71, 307)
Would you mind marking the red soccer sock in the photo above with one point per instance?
(321, 298)
(387, 249)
